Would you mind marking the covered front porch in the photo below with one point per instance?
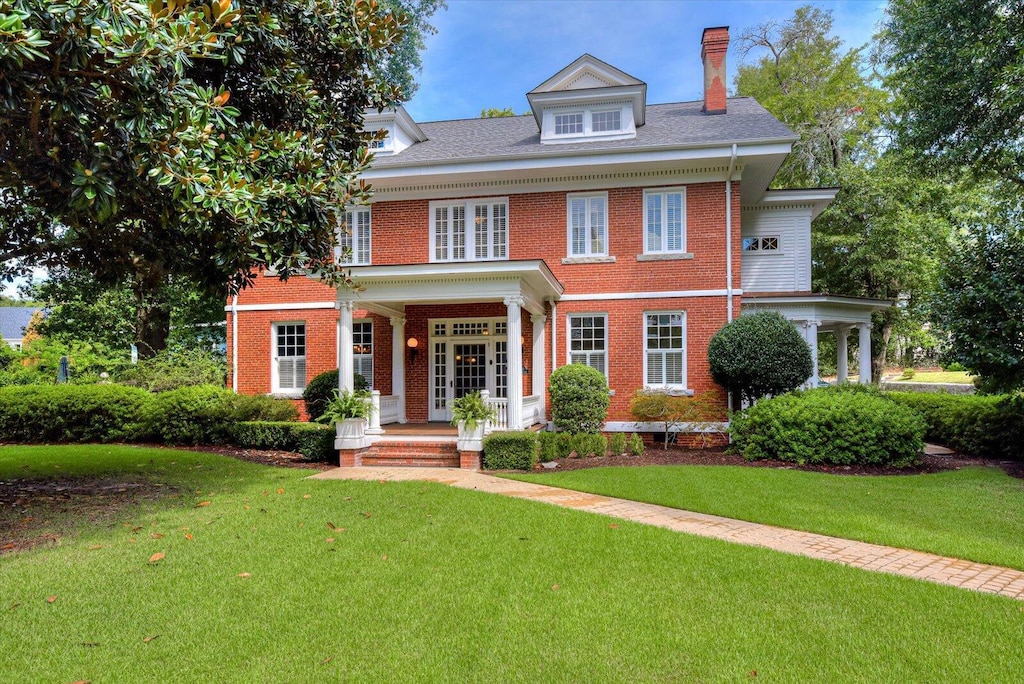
(456, 328)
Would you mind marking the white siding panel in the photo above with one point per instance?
(789, 269)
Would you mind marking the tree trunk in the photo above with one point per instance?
(152, 311)
(880, 347)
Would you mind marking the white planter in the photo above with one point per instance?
(471, 440)
(351, 434)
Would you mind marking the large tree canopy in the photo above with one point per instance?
(185, 138)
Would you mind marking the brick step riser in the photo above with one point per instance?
(411, 461)
(403, 453)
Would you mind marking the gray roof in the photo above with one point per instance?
(680, 124)
(14, 319)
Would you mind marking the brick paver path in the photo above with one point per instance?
(926, 566)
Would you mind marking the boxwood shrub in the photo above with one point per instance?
(554, 445)
(579, 398)
(191, 415)
(510, 450)
(830, 426)
(72, 413)
(588, 445)
(314, 441)
(990, 425)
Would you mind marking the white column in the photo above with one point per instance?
(811, 335)
(539, 361)
(345, 362)
(373, 427)
(865, 353)
(515, 362)
(398, 364)
(842, 354)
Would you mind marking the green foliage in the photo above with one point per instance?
(954, 367)
(315, 442)
(191, 415)
(579, 398)
(990, 426)
(496, 113)
(346, 405)
(636, 444)
(676, 413)
(321, 389)
(72, 413)
(908, 374)
(759, 354)
(261, 407)
(399, 66)
(38, 362)
(513, 450)
(842, 427)
(7, 356)
(617, 444)
(554, 446)
(172, 371)
(586, 444)
(471, 410)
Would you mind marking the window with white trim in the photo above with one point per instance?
(289, 357)
(451, 239)
(569, 123)
(762, 243)
(362, 350)
(606, 121)
(665, 349)
(588, 340)
(355, 237)
(379, 145)
(665, 221)
(588, 225)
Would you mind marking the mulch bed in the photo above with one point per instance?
(284, 459)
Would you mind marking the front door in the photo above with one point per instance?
(469, 370)
(462, 366)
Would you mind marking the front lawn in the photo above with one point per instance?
(950, 377)
(267, 576)
(974, 513)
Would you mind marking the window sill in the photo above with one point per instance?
(672, 391)
(589, 260)
(675, 256)
(289, 394)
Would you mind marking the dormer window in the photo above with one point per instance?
(607, 121)
(390, 131)
(569, 124)
(602, 121)
(382, 144)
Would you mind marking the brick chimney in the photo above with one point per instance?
(713, 45)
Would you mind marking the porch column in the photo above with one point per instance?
(398, 364)
(515, 362)
(539, 362)
(811, 335)
(345, 362)
(842, 354)
(865, 353)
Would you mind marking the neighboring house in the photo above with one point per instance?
(14, 321)
(599, 229)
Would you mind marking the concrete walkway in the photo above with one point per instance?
(926, 566)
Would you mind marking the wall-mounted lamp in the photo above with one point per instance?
(412, 343)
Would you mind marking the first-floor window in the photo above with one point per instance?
(588, 340)
(362, 350)
(665, 349)
(290, 357)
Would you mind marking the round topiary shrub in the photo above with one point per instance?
(320, 391)
(579, 398)
(758, 355)
(827, 426)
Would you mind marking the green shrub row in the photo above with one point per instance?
(314, 441)
(553, 446)
(991, 426)
(833, 426)
(510, 450)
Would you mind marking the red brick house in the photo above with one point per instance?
(599, 229)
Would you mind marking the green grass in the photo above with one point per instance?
(973, 513)
(428, 582)
(955, 377)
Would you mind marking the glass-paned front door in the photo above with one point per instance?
(467, 355)
(470, 369)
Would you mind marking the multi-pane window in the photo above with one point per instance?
(606, 121)
(569, 124)
(290, 357)
(355, 237)
(665, 221)
(665, 349)
(766, 243)
(362, 350)
(487, 238)
(588, 340)
(588, 225)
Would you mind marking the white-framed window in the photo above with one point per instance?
(362, 349)
(588, 340)
(761, 243)
(384, 144)
(608, 121)
(665, 221)
(355, 236)
(569, 123)
(453, 238)
(588, 224)
(665, 349)
(289, 357)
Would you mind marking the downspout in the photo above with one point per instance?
(234, 344)
(728, 234)
(554, 335)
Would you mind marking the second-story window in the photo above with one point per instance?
(355, 237)
(588, 225)
(607, 121)
(665, 221)
(485, 238)
(570, 123)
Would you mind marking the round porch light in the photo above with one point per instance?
(412, 343)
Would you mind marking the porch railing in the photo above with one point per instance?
(532, 410)
(389, 409)
(500, 406)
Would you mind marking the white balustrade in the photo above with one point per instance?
(532, 411)
(500, 406)
(373, 427)
(390, 409)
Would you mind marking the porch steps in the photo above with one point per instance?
(439, 453)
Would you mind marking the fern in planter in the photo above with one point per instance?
(471, 410)
(346, 405)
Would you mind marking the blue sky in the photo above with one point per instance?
(490, 53)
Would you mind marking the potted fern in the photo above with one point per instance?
(348, 412)
(470, 414)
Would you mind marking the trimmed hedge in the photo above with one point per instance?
(983, 425)
(320, 390)
(191, 415)
(314, 441)
(554, 445)
(843, 427)
(588, 445)
(579, 398)
(510, 450)
(73, 413)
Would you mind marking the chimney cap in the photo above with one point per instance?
(703, 36)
